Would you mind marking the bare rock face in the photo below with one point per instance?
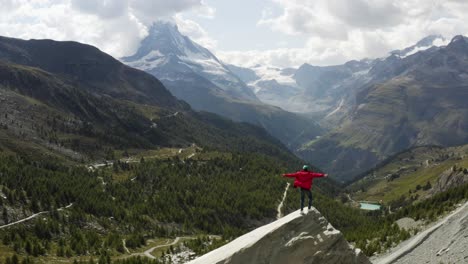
(293, 239)
(449, 179)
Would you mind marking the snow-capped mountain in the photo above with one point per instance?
(308, 89)
(326, 91)
(169, 55)
(423, 44)
(272, 85)
(194, 74)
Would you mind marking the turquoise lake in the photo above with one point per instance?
(368, 206)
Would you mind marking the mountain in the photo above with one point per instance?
(309, 90)
(326, 92)
(409, 101)
(245, 74)
(291, 239)
(330, 89)
(421, 45)
(167, 54)
(194, 74)
(273, 86)
(70, 99)
(88, 67)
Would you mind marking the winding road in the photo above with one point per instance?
(33, 216)
(148, 252)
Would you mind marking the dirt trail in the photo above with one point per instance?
(280, 206)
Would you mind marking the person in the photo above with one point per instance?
(303, 180)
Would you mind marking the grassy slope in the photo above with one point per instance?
(414, 167)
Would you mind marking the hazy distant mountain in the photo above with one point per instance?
(194, 74)
(326, 91)
(273, 85)
(245, 74)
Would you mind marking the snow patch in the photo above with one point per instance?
(436, 43)
(414, 51)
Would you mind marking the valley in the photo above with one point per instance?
(169, 154)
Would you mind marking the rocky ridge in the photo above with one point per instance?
(292, 239)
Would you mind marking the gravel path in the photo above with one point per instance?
(444, 242)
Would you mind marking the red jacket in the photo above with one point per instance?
(304, 178)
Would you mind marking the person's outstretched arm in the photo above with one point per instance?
(319, 175)
(290, 175)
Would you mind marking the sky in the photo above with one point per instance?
(281, 33)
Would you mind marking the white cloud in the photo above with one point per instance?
(105, 9)
(342, 30)
(195, 32)
(115, 26)
(336, 30)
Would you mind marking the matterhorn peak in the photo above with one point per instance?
(163, 27)
(169, 55)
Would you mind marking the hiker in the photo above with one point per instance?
(304, 182)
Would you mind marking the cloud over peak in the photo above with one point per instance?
(115, 26)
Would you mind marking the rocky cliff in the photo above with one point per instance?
(292, 239)
(453, 177)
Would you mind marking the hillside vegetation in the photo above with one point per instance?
(413, 175)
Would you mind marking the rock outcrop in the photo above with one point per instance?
(443, 242)
(450, 178)
(294, 239)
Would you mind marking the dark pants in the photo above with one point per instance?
(309, 194)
